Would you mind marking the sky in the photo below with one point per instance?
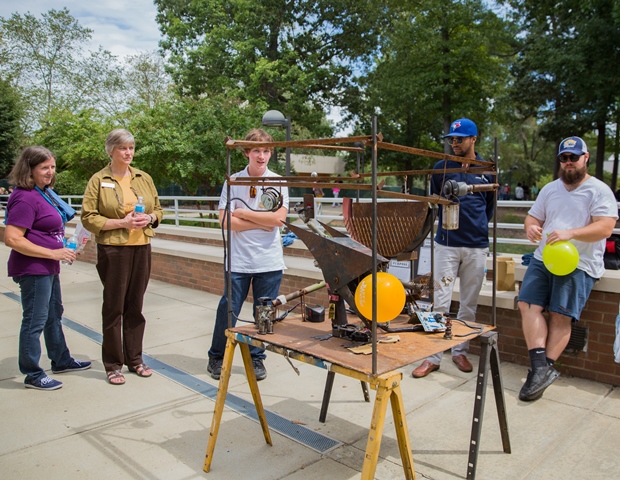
(124, 27)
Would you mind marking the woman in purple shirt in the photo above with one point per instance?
(35, 232)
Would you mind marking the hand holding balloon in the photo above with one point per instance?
(390, 297)
(560, 258)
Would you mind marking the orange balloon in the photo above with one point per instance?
(390, 297)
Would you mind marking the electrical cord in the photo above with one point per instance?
(478, 330)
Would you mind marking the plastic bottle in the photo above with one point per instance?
(72, 244)
(139, 208)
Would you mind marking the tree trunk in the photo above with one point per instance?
(600, 148)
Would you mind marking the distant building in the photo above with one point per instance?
(608, 166)
(306, 164)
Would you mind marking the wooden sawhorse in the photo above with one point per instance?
(386, 385)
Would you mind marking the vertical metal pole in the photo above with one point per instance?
(494, 292)
(435, 208)
(374, 245)
(227, 244)
(357, 192)
(288, 149)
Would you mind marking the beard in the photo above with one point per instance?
(572, 177)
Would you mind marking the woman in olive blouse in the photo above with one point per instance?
(123, 252)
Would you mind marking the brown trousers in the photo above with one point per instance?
(124, 272)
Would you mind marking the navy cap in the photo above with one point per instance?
(573, 145)
(463, 127)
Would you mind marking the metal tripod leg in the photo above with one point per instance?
(328, 393)
(489, 357)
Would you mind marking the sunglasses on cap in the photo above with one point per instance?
(572, 157)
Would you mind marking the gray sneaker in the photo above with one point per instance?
(259, 369)
(537, 381)
(215, 367)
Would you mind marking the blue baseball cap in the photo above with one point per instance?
(463, 127)
(573, 145)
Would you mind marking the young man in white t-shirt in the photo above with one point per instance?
(255, 250)
(578, 208)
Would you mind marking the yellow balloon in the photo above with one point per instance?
(560, 258)
(390, 297)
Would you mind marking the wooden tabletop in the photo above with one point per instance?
(298, 336)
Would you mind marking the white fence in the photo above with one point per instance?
(196, 210)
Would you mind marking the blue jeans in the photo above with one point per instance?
(566, 295)
(266, 284)
(42, 312)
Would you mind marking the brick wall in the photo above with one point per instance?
(597, 363)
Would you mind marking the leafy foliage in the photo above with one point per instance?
(41, 55)
(181, 141)
(78, 142)
(567, 74)
(10, 128)
(438, 61)
(296, 56)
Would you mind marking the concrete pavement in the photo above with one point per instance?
(158, 428)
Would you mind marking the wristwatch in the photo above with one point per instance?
(150, 224)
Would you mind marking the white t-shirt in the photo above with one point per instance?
(253, 251)
(519, 193)
(560, 209)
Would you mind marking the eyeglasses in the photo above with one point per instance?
(252, 191)
(455, 140)
(572, 157)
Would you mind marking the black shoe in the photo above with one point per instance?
(259, 369)
(537, 381)
(215, 367)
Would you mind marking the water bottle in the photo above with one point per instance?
(139, 208)
(72, 244)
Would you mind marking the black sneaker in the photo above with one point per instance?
(215, 367)
(259, 369)
(537, 381)
(74, 366)
(43, 383)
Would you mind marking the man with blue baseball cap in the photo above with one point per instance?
(463, 127)
(574, 145)
(577, 208)
(462, 252)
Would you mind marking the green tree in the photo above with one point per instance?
(77, 140)
(182, 141)
(567, 74)
(439, 60)
(41, 55)
(297, 57)
(10, 126)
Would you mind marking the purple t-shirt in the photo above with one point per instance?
(28, 209)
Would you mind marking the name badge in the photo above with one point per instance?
(108, 185)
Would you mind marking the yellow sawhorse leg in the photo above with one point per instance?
(220, 400)
(388, 390)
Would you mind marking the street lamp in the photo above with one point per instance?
(275, 118)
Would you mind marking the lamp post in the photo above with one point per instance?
(275, 118)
